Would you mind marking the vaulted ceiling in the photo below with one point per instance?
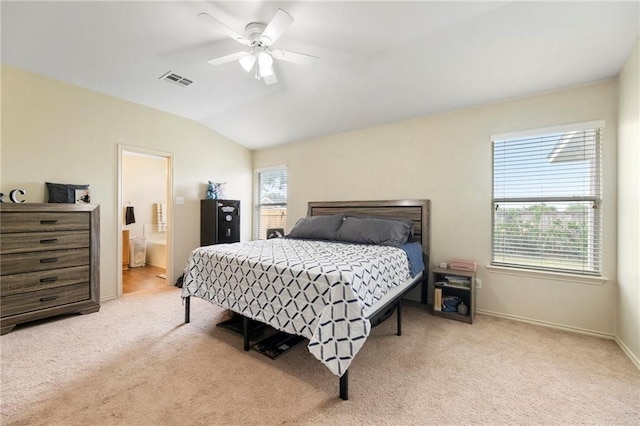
(379, 62)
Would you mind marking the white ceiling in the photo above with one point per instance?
(380, 62)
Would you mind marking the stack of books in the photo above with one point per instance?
(458, 281)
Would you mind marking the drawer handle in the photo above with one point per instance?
(49, 241)
(49, 260)
(48, 222)
(48, 298)
(48, 279)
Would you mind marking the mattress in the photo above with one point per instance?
(324, 291)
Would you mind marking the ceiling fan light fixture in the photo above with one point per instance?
(265, 64)
(265, 59)
(266, 71)
(246, 62)
(259, 38)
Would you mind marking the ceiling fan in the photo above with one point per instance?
(260, 37)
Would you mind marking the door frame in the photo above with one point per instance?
(122, 149)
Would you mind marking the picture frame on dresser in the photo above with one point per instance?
(82, 196)
(49, 261)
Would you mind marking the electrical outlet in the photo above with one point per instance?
(478, 282)
(179, 200)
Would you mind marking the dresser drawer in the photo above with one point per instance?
(42, 241)
(37, 300)
(33, 281)
(41, 261)
(43, 221)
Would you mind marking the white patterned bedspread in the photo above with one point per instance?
(315, 289)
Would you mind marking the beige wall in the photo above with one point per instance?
(52, 131)
(447, 158)
(628, 318)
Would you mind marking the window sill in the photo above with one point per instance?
(555, 276)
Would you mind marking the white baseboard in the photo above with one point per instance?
(549, 324)
(622, 346)
(628, 353)
(104, 299)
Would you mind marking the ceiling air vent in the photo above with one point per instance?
(174, 78)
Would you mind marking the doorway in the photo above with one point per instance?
(144, 231)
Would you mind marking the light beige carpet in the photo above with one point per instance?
(136, 363)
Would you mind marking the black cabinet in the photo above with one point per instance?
(219, 222)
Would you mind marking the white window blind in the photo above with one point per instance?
(272, 200)
(546, 201)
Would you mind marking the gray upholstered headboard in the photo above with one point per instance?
(416, 210)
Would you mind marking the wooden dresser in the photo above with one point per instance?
(49, 261)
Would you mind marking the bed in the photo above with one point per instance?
(328, 291)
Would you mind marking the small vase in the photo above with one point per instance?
(463, 309)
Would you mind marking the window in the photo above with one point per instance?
(272, 200)
(547, 198)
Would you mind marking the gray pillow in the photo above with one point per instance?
(63, 193)
(409, 222)
(383, 232)
(317, 227)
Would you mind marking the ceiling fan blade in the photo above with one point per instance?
(227, 30)
(270, 79)
(228, 58)
(294, 57)
(280, 22)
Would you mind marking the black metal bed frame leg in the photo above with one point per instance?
(344, 386)
(245, 332)
(399, 309)
(187, 309)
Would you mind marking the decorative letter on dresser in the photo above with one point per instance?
(49, 261)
